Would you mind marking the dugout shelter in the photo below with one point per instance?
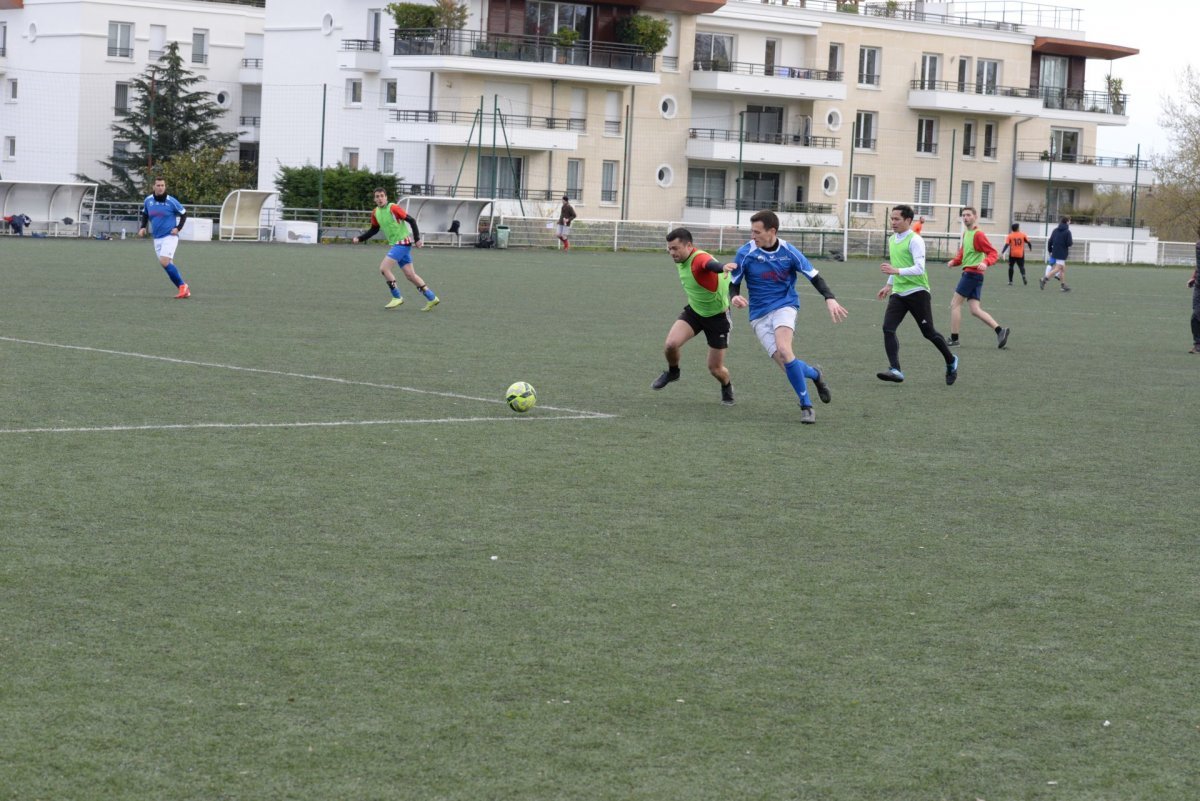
(436, 217)
(242, 216)
(56, 209)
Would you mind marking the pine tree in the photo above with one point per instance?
(169, 117)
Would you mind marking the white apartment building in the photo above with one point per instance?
(65, 68)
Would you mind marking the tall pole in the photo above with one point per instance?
(737, 193)
(150, 127)
(1133, 201)
(953, 150)
(849, 191)
(321, 167)
(1049, 187)
(495, 160)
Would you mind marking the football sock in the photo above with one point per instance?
(395, 289)
(954, 337)
(999, 328)
(797, 373)
(173, 274)
(427, 292)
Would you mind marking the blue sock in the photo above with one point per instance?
(428, 293)
(173, 274)
(798, 374)
(395, 289)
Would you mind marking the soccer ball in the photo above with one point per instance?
(521, 397)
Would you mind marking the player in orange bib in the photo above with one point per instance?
(1015, 244)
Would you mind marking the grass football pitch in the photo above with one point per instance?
(274, 542)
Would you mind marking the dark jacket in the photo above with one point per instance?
(1060, 242)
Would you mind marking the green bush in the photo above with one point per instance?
(413, 15)
(344, 188)
(647, 32)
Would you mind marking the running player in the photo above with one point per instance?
(402, 234)
(164, 216)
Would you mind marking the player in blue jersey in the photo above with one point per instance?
(164, 216)
(769, 266)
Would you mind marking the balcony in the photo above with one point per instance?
(1069, 168)
(741, 78)
(974, 98)
(726, 211)
(481, 53)
(793, 150)
(463, 128)
(1101, 108)
(249, 129)
(361, 55)
(251, 71)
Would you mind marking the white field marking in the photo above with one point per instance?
(318, 424)
(579, 414)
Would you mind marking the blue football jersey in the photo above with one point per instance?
(163, 216)
(770, 276)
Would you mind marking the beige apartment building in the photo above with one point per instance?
(802, 106)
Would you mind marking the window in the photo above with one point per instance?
(501, 176)
(612, 113)
(664, 176)
(354, 92)
(760, 190)
(385, 161)
(579, 108)
(763, 124)
(374, 24)
(927, 130)
(158, 41)
(862, 187)
(987, 76)
(120, 40)
(706, 188)
(714, 51)
(608, 182)
(547, 19)
(829, 184)
(199, 47)
(1064, 143)
(835, 61)
(3, 38)
(10, 91)
(923, 196)
(966, 194)
(389, 93)
(987, 200)
(10, 147)
(350, 157)
(1062, 201)
(868, 66)
(989, 140)
(968, 146)
(769, 53)
(1052, 81)
(865, 122)
(964, 72)
(120, 150)
(929, 70)
(575, 179)
(668, 107)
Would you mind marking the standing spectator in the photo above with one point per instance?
(1015, 244)
(565, 215)
(164, 216)
(1194, 283)
(908, 288)
(1059, 245)
(975, 256)
(770, 267)
(706, 284)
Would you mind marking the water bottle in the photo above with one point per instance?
(122, 233)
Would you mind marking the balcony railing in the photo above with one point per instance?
(1004, 17)
(449, 190)
(535, 49)
(1079, 158)
(608, 196)
(765, 70)
(745, 204)
(199, 58)
(864, 144)
(969, 151)
(973, 88)
(1080, 100)
(252, 63)
(121, 111)
(927, 147)
(155, 55)
(250, 122)
(507, 120)
(989, 152)
(798, 140)
(1077, 219)
(869, 78)
(120, 52)
(361, 44)
(612, 127)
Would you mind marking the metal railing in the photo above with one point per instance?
(797, 140)
(999, 15)
(577, 124)
(120, 52)
(1077, 219)
(973, 88)
(969, 151)
(537, 49)
(990, 152)
(927, 147)
(612, 127)
(869, 79)
(1081, 100)
(155, 55)
(1079, 158)
(608, 196)
(250, 122)
(864, 144)
(765, 70)
(371, 45)
(199, 58)
(252, 63)
(787, 207)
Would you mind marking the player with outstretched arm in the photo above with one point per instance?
(975, 255)
(402, 233)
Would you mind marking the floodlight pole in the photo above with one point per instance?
(1049, 187)
(1133, 201)
(737, 193)
(321, 166)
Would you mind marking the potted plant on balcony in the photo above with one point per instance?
(1116, 93)
(564, 40)
(642, 30)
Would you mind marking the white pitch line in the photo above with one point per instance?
(317, 424)
(579, 414)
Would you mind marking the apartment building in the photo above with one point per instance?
(66, 69)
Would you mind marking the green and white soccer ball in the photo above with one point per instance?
(521, 397)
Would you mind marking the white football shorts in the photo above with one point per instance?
(764, 327)
(164, 247)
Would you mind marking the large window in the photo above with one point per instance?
(1062, 201)
(575, 178)
(929, 70)
(760, 190)
(763, 124)
(862, 187)
(374, 24)
(966, 193)
(706, 188)
(121, 98)
(612, 113)
(987, 201)
(354, 92)
(964, 72)
(3, 38)
(927, 130)
(923, 196)
(199, 46)
(120, 40)
(500, 176)
(865, 122)
(987, 76)
(608, 182)
(385, 161)
(1064, 143)
(968, 145)
(1052, 81)
(389, 92)
(714, 51)
(989, 140)
(869, 59)
(835, 60)
(547, 19)
(10, 147)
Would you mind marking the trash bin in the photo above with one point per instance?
(502, 236)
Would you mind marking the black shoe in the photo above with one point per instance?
(666, 378)
(1023, 281)
(822, 387)
(952, 343)
(952, 372)
(1042, 283)
(1002, 337)
(1065, 288)
(727, 394)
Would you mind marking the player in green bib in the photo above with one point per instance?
(975, 256)
(400, 229)
(706, 285)
(907, 292)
